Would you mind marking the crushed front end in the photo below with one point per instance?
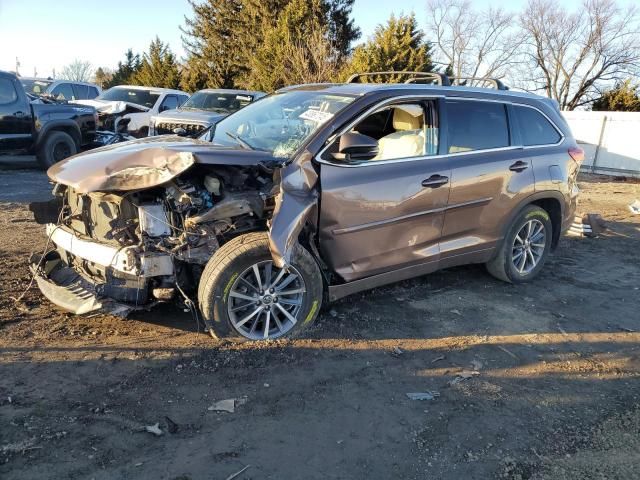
(118, 251)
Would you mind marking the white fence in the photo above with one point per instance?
(611, 141)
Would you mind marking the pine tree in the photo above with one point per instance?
(397, 46)
(125, 71)
(158, 68)
(223, 37)
(102, 77)
(624, 97)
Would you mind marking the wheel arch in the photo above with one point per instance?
(550, 201)
(69, 127)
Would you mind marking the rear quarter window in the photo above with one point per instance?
(475, 125)
(535, 129)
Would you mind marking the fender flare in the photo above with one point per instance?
(59, 125)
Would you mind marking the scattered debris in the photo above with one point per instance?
(455, 312)
(172, 427)
(397, 351)
(464, 375)
(508, 352)
(229, 405)
(423, 395)
(635, 207)
(333, 313)
(476, 364)
(266, 385)
(589, 225)
(437, 359)
(155, 429)
(231, 477)
(562, 330)
(19, 447)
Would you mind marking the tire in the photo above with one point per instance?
(225, 287)
(508, 264)
(55, 147)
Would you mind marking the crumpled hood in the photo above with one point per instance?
(180, 115)
(147, 162)
(110, 107)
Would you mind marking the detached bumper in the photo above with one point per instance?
(67, 289)
(121, 286)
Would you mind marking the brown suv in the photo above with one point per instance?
(311, 194)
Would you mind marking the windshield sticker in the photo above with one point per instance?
(316, 116)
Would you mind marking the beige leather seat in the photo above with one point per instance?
(408, 139)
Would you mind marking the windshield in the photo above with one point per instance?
(36, 87)
(217, 102)
(131, 95)
(279, 123)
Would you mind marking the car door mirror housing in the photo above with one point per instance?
(356, 146)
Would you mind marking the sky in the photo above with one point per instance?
(46, 35)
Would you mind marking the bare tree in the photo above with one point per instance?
(473, 43)
(77, 71)
(572, 55)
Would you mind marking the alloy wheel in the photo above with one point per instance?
(529, 246)
(265, 301)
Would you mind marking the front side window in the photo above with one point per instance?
(138, 96)
(93, 93)
(280, 123)
(473, 125)
(170, 102)
(64, 91)
(218, 102)
(535, 129)
(8, 92)
(402, 130)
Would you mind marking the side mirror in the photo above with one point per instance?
(181, 132)
(356, 146)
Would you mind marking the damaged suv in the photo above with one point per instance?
(311, 194)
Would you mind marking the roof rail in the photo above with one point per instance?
(439, 78)
(462, 81)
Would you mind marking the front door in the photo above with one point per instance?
(15, 117)
(385, 213)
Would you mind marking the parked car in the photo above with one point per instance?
(203, 109)
(66, 90)
(30, 126)
(311, 194)
(138, 104)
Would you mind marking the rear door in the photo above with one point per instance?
(386, 213)
(491, 174)
(15, 116)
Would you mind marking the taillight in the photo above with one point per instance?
(577, 154)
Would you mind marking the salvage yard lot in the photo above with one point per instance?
(534, 381)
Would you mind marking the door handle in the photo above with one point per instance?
(519, 166)
(435, 181)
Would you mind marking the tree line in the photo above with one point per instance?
(586, 57)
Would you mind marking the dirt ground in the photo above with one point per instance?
(539, 381)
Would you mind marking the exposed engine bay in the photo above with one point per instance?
(145, 246)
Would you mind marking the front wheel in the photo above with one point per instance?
(525, 247)
(243, 295)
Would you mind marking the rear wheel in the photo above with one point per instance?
(525, 247)
(243, 295)
(56, 147)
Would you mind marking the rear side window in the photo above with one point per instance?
(476, 125)
(535, 129)
(8, 92)
(80, 91)
(64, 91)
